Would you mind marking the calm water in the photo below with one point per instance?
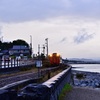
(86, 67)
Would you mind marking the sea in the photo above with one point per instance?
(86, 67)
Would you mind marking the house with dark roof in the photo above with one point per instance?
(4, 54)
(20, 50)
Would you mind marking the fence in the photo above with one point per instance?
(6, 63)
(13, 65)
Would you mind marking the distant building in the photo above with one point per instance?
(16, 50)
(20, 50)
(4, 54)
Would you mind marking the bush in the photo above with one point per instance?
(80, 76)
(66, 89)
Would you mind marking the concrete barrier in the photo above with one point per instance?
(56, 83)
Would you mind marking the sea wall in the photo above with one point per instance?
(57, 83)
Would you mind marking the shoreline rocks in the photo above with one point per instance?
(89, 79)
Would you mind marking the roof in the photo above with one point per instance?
(20, 47)
(4, 52)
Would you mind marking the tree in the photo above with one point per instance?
(8, 45)
(20, 42)
(5, 45)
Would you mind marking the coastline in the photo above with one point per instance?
(89, 79)
(86, 88)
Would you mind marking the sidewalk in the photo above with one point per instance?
(81, 93)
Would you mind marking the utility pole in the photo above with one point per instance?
(1, 39)
(39, 61)
(46, 40)
(38, 49)
(43, 49)
(31, 44)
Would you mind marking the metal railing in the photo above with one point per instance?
(6, 63)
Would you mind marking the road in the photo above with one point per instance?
(81, 93)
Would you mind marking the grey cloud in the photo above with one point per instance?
(82, 37)
(26, 10)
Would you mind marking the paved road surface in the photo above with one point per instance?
(79, 93)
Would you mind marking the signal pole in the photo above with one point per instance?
(43, 49)
(46, 40)
(38, 49)
(31, 44)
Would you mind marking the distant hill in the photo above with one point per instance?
(80, 59)
(83, 61)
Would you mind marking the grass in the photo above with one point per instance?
(24, 71)
(64, 91)
(52, 73)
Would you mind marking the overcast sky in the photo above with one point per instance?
(71, 26)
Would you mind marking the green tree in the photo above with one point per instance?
(8, 45)
(5, 45)
(20, 42)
